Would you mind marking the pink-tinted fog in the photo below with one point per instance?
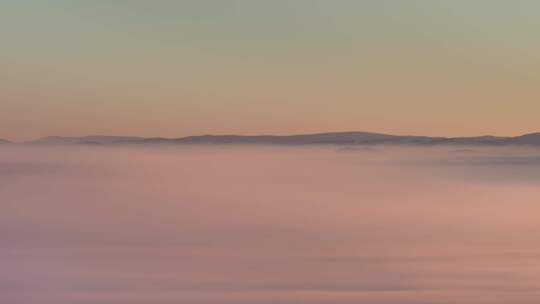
(210, 224)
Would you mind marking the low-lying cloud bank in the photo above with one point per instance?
(226, 224)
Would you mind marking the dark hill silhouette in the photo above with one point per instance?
(95, 139)
(336, 138)
(527, 139)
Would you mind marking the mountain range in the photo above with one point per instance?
(336, 138)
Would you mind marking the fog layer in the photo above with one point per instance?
(223, 224)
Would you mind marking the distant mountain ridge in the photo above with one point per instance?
(335, 138)
(94, 139)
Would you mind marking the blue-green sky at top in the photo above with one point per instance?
(173, 68)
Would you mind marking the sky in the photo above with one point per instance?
(177, 68)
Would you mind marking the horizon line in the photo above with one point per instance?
(260, 135)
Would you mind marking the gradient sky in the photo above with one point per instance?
(174, 68)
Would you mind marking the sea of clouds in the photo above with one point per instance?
(269, 225)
